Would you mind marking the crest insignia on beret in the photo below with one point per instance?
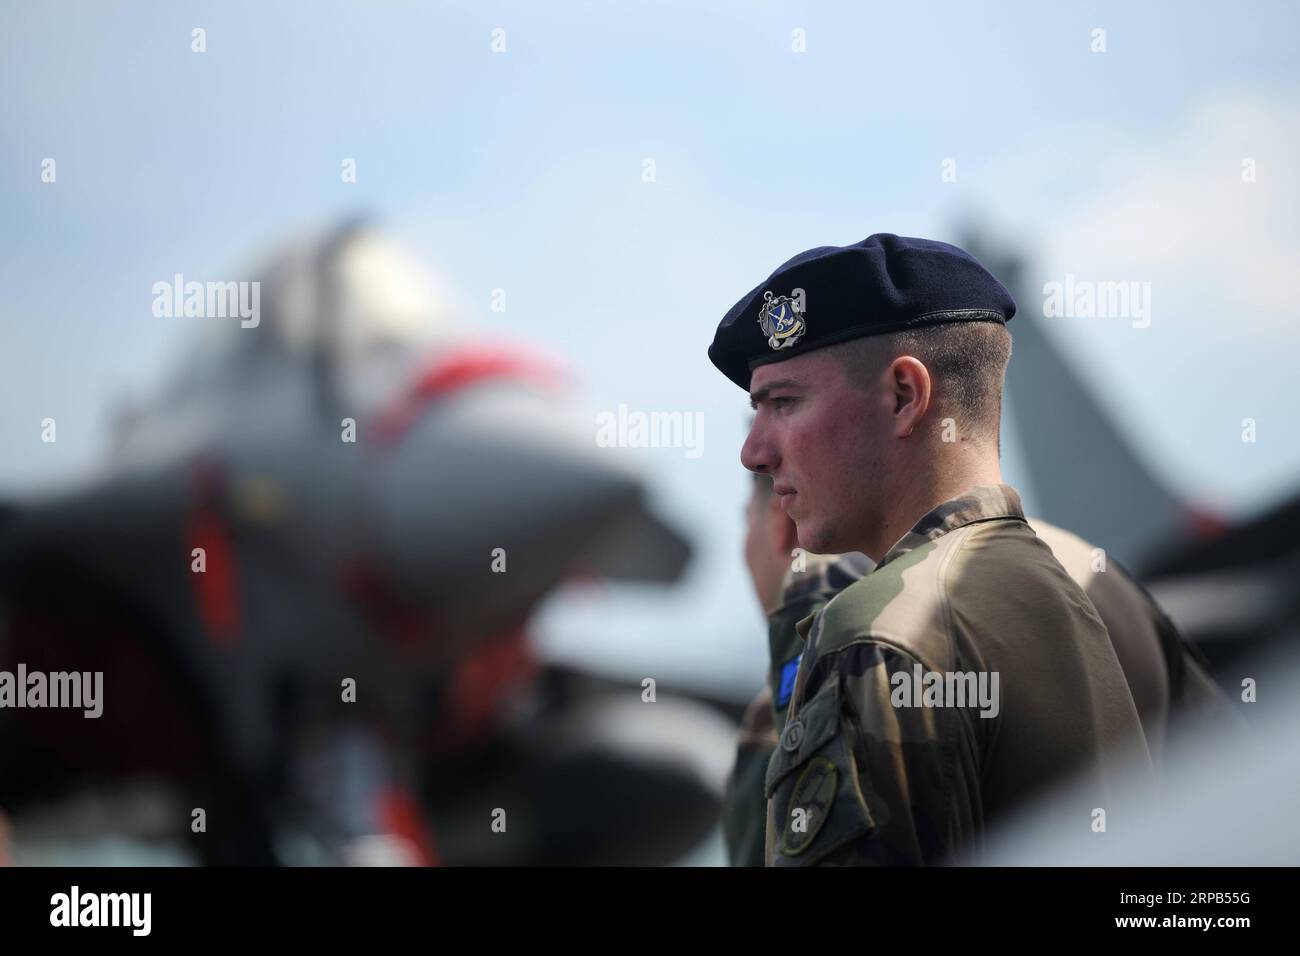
(781, 320)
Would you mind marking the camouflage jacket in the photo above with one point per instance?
(960, 677)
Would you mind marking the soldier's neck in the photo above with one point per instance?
(919, 496)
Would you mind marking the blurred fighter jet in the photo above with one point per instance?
(1231, 589)
(306, 570)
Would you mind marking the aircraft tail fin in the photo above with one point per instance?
(1086, 475)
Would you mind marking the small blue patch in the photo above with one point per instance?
(788, 673)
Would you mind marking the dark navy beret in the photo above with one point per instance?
(831, 294)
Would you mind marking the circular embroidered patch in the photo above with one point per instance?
(793, 735)
(810, 804)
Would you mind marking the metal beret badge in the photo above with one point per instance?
(781, 320)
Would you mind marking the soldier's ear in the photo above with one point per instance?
(912, 389)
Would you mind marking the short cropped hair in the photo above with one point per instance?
(967, 362)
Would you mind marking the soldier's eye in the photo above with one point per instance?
(782, 402)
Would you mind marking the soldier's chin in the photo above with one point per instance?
(812, 538)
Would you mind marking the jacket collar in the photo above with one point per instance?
(982, 503)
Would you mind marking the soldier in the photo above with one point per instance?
(876, 372)
(1165, 674)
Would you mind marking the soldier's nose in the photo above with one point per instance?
(756, 453)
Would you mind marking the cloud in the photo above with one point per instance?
(1221, 253)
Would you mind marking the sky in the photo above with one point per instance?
(509, 145)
